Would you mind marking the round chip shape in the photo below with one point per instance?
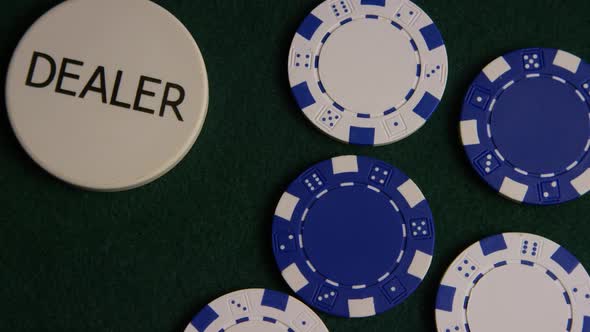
(525, 126)
(353, 236)
(514, 282)
(256, 310)
(368, 72)
(107, 95)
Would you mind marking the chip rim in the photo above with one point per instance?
(353, 301)
(496, 251)
(260, 305)
(510, 182)
(412, 115)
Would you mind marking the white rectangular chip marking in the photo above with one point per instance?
(567, 61)
(496, 69)
(582, 183)
(345, 164)
(294, 277)
(515, 190)
(411, 193)
(361, 307)
(333, 283)
(420, 264)
(469, 132)
(286, 206)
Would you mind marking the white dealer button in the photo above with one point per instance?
(107, 95)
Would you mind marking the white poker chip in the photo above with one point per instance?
(256, 310)
(107, 95)
(368, 72)
(514, 282)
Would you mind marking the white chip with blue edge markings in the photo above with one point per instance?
(368, 72)
(514, 282)
(256, 310)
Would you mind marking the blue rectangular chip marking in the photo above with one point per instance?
(500, 264)
(466, 302)
(551, 275)
(399, 27)
(586, 324)
(477, 279)
(432, 36)
(467, 328)
(566, 297)
(242, 320)
(527, 263)
(303, 95)
(317, 61)
(389, 111)
(410, 94)
(372, 17)
(569, 325)
(380, 3)
(338, 107)
(445, 298)
(309, 26)
(204, 318)
(362, 136)
(275, 300)
(414, 46)
(565, 259)
(493, 244)
(426, 106)
(364, 116)
(321, 85)
(269, 319)
(326, 37)
(346, 21)
(418, 70)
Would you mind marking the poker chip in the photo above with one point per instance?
(368, 72)
(514, 282)
(256, 310)
(525, 126)
(353, 236)
(107, 95)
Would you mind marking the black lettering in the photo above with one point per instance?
(142, 92)
(100, 75)
(115, 93)
(48, 80)
(172, 103)
(64, 74)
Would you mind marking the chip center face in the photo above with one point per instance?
(353, 235)
(368, 66)
(539, 132)
(516, 298)
(256, 326)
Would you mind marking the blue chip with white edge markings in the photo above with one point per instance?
(256, 310)
(514, 282)
(368, 72)
(353, 236)
(525, 127)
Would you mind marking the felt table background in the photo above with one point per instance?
(149, 259)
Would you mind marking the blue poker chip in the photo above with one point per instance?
(514, 282)
(256, 310)
(525, 126)
(353, 236)
(368, 72)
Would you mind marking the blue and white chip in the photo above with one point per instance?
(525, 126)
(256, 310)
(368, 72)
(353, 236)
(514, 282)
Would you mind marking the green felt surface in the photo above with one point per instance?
(148, 259)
